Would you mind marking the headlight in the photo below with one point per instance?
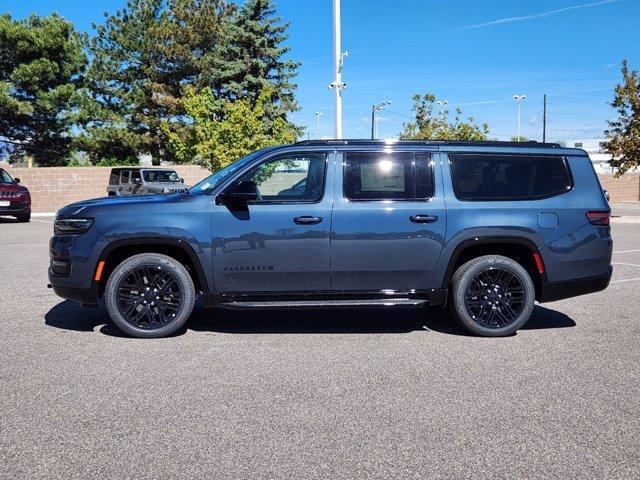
(71, 225)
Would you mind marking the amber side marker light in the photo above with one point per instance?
(539, 264)
(98, 275)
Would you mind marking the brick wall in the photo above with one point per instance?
(53, 188)
(623, 189)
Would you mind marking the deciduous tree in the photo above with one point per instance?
(623, 135)
(224, 130)
(428, 126)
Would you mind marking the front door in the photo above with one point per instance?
(389, 222)
(280, 242)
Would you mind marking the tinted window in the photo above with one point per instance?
(508, 177)
(5, 177)
(114, 178)
(297, 177)
(124, 176)
(165, 176)
(388, 176)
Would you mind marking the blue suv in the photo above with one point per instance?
(487, 228)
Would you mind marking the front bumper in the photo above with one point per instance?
(86, 297)
(16, 208)
(553, 291)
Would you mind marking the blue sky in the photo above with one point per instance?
(475, 54)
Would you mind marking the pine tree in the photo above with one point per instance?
(143, 56)
(41, 62)
(253, 58)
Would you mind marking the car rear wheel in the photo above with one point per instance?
(150, 295)
(493, 296)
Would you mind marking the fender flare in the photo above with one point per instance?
(487, 240)
(173, 242)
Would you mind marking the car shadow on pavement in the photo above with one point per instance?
(8, 220)
(70, 316)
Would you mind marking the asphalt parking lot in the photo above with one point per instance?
(316, 394)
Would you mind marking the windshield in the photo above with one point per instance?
(218, 177)
(5, 177)
(164, 176)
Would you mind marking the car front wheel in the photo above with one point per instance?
(493, 296)
(150, 295)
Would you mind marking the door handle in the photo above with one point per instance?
(423, 218)
(307, 220)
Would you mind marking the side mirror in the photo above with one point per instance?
(182, 180)
(240, 192)
(17, 180)
(137, 181)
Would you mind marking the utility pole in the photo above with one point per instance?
(519, 99)
(374, 109)
(338, 61)
(544, 120)
(318, 115)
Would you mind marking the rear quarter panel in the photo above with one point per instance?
(570, 247)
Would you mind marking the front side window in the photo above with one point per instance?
(486, 177)
(164, 176)
(388, 176)
(114, 178)
(290, 178)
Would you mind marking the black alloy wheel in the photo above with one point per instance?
(149, 297)
(495, 298)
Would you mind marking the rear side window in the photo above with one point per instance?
(388, 176)
(124, 176)
(508, 177)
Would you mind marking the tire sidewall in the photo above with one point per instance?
(147, 259)
(465, 274)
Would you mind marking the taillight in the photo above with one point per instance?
(602, 219)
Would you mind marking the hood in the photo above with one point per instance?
(82, 207)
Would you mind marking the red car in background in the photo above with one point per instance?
(15, 199)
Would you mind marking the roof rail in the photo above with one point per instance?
(477, 143)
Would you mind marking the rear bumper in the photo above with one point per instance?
(553, 291)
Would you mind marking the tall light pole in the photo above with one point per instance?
(442, 103)
(318, 115)
(338, 61)
(519, 99)
(374, 109)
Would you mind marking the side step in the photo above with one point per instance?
(302, 304)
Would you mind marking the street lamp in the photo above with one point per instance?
(374, 109)
(519, 99)
(442, 103)
(318, 115)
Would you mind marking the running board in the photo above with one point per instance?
(295, 304)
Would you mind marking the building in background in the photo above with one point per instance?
(594, 147)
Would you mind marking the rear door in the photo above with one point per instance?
(389, 221)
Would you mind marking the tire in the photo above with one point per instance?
(505, 306)
(24, 218)
(150, 295)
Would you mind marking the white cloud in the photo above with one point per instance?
(523, 18)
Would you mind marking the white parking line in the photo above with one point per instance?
(627, 264)
(43, 221)
(628, 251)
